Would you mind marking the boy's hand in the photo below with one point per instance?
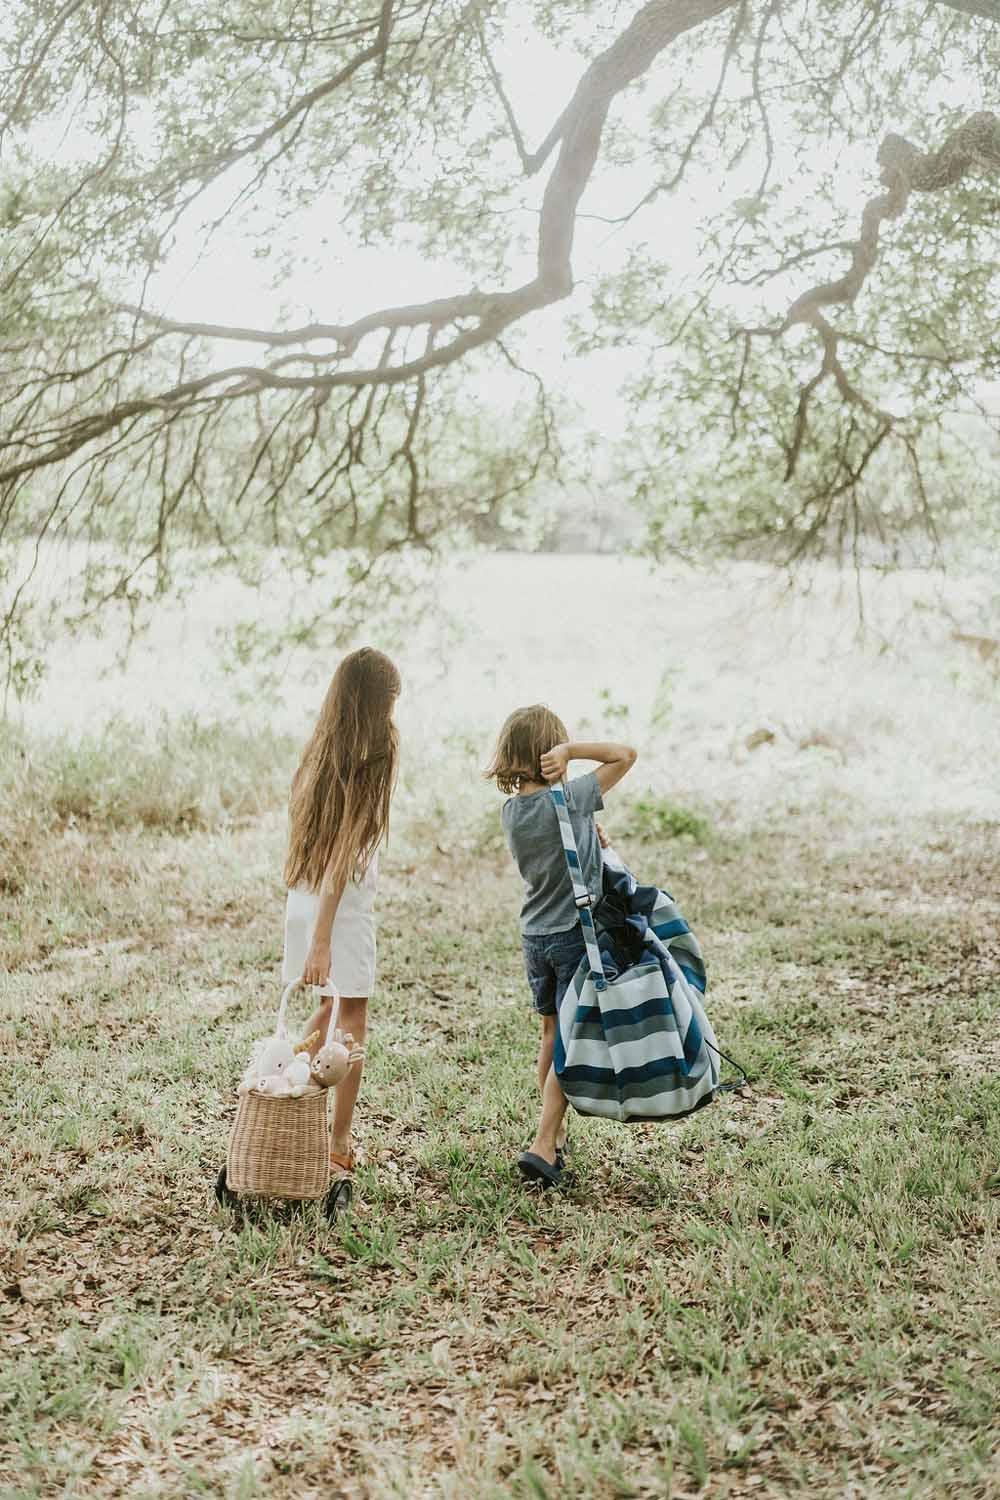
(602, 837)
(555, 763)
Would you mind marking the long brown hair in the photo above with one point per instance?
(525, 737)
(339, 803)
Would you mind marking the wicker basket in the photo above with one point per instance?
(280, 1146)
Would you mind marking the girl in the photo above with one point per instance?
(533, 750)
(339, 815)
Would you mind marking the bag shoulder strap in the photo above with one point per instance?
(581, 895)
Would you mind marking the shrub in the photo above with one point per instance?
(649, 817)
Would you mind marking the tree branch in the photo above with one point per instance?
(527, 161)
(706, 121)
(579, 130)
(904, 169)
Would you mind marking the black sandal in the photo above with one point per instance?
(537, 1169)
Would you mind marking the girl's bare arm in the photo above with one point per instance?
(318, 959)
(614, 761)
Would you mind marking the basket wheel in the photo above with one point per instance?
(338, 1199)
(223, 1192)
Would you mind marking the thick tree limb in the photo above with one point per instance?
(905, 169)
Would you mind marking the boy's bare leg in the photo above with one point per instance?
(551, 1125)
(546, 1047)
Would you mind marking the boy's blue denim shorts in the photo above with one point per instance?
(551, 959)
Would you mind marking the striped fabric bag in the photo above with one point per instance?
(633, 1040)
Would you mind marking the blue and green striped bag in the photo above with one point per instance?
(633, 1040)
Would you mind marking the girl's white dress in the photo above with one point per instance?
(352, 937)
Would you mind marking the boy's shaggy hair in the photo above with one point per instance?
(525, 737)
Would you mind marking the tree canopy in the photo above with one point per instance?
(813, 368)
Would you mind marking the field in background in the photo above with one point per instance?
(793, 1291)
(689, 664)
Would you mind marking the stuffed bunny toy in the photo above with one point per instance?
(297, 1074)
(268, 1063)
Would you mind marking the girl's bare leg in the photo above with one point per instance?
(353, 1018)
(318, 1021)
(551, 1125)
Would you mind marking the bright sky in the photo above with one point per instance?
(231, 285)
(539, 79)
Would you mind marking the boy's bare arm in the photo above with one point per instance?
(614, 761)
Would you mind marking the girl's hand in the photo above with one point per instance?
(602, 837)
(317, 965)
(555, 763)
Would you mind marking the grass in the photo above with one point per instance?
(178, 775)
(79, 805)
(795, 1291)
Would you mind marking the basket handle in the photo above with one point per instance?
(281, 1025)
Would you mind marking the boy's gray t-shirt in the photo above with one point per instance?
(531, 828)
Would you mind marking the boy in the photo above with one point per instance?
(533, 750)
